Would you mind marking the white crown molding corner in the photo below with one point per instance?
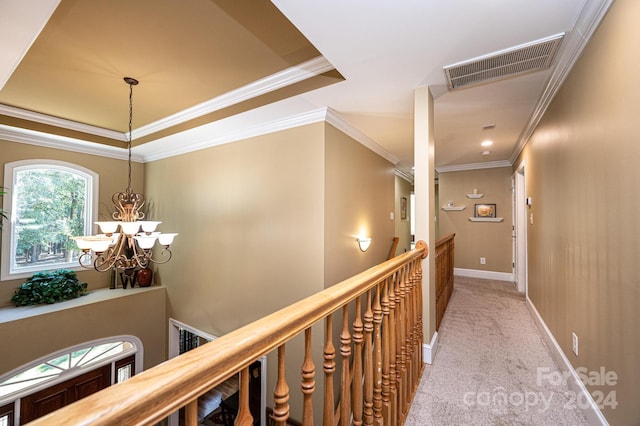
(151, 151)
(403, 175)
(341, 124)
(474, 166)
(574, 43)
(591, 411)
(47, 140)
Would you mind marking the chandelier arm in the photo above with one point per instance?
(106, 260)
(165, 252)
(139, 257)
(117, 199)
(85, 260)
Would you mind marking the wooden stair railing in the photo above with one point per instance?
(380, 356)
(445, 256)
(394, 246)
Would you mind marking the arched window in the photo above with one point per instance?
(115, 358)
(48, 202)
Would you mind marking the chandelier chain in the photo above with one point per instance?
(130, 127)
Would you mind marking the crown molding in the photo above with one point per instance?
(586, 23)
(47, 140)
(201, 138)
(287, 77)
(341, 124)
(60, 122)
(198, 138)
(403, 175)
(474, 166)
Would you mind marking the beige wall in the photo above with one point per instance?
(359, 195)
(141, 313)
(582, 174)
(250, 220)
(113, 178)
(402, 226)
(478, 239)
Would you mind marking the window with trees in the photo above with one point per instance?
(48, 202)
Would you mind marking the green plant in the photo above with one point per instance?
(49, 287)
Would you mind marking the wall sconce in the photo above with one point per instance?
(363, 243)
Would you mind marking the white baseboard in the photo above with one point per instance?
(487, 275)
(429, 350)
(592, 412)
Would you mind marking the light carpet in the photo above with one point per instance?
(492, 366)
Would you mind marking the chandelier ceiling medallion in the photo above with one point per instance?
(131, 247)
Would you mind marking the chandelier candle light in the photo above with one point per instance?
(131, 248)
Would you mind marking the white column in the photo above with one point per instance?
(424, 189)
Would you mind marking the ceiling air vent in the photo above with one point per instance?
(533, 56)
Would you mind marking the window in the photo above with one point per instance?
(48, 202)
(73, 372)
(69, 362)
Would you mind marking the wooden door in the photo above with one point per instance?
(47, 400)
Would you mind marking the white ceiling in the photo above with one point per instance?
(384, 50)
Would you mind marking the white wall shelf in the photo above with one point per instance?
(486, 219)
(475, 195)
(454, 208)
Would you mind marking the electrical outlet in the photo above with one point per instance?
(574, 345)
(483, 260)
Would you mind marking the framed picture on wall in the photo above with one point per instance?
(403, 208)
(485, 210)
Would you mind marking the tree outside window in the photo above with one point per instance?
(50, 203)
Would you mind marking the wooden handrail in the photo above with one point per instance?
(152, 395)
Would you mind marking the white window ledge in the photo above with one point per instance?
(14, 313)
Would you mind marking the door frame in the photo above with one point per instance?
(520, 262)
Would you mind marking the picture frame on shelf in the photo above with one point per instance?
(484, 210)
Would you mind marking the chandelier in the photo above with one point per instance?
(130, 249)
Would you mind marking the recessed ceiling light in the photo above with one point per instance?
(487, 143)
(486, 152)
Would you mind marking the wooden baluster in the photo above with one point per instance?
(401, 347)
(416, 321)
(308, 380)
(386, 404)
(244, 417)
(393, 388)
(420, 307)
(281, 392)
(411, 343)
(356, 382)
(345, 382)
(329, 368)
(191, 413)
(368, 363)
(405, 355)
(377, 358)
